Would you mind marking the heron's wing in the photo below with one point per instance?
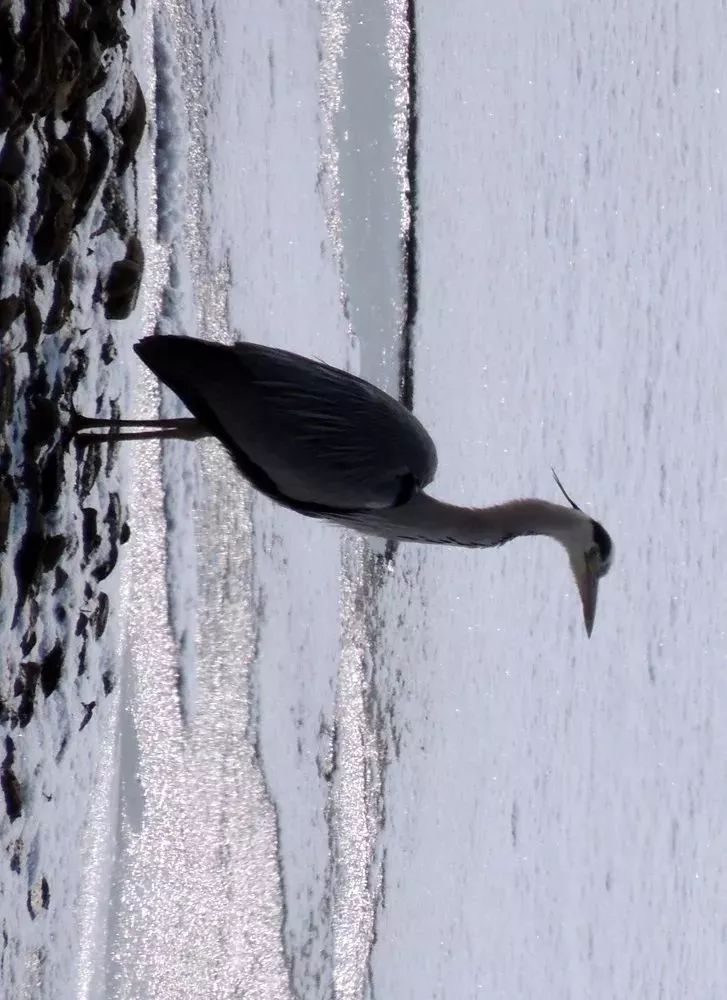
(309, 435)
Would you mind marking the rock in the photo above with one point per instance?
(27, 643)
(93, 70)
(106, 566)
(15, 859)
(28, 78)
(43, 418)
(108, 682)
(77, 178)
(10, 109)
(61, 306)
(33, 320)
(10, 308)
(9, 782)
(132, 129)
(124, 281)
(53, 548)
(97, 164)
(54, 232)
(51, 480)
(8, 208)
(31, 674)
(28, 561)
(50, 669)
(61, 578)
(113, 514)
(106, 24)
(6, 504)
(61, 160)
(12, 159)
(89, 469)
(91, 537)
(67, 59)
(82, 657)
(7, 388)
(76, 370)
(108, 350)
(88, 714)
(100, 616)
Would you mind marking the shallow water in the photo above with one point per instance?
(506, 809)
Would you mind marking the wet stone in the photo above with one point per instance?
(132, 129)
(113, 513)
(28, 562)
(106, 23)
(53, 549)
(43, 419)
(77, 145)
(51, 480)
(10, 308)
(108, 350)
(15, 860)
(61, 578)
(100, 616)
(91, 537)
(28, 642)
(98, 163)
(33, 320)
(82, 657)
(9, 782)
(89, 469)
(10, 107)
(28, 78)
(12, 159)
(77, 370)
(106, 566)
(29, 683)
(107, 679)
(61, 160)
(124, 281)
(93, 71)
(88, 714)
(61, 305)
(7, 388)
(5, 508)
(82, 624)
(8, 208)
(50, 669)
(54, 232)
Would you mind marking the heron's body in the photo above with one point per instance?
(328, 444)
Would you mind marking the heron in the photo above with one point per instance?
(331, 445)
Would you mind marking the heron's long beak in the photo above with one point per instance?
(587, 580)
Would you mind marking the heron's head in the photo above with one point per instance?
(590, 552)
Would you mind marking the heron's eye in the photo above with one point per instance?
(593, 557)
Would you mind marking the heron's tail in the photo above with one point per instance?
(191, 368)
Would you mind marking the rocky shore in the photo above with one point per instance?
(72, 115)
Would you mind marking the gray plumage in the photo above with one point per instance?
(312, 437)
(328, 444)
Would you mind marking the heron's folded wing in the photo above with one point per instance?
(308, 434)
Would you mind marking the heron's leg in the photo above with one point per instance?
(83, 423)
(184, 429)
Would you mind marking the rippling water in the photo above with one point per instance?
(344, 776)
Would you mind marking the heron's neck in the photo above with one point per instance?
(425, 519)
